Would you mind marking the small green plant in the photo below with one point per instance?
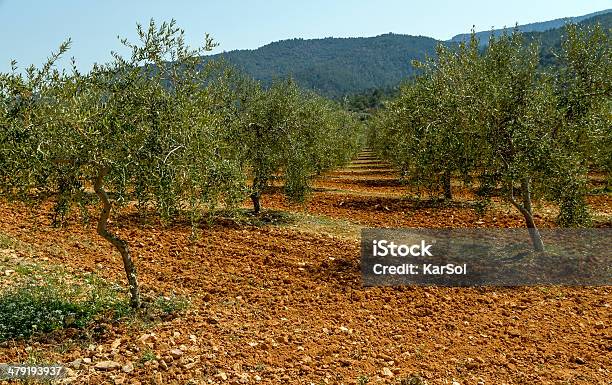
(41, 305)
(481, 206)
(6, 241)
(148, 355)
(170, 305)
(363, 379)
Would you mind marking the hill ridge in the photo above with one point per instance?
(339, 66)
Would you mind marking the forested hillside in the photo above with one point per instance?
(550, 41)
(336, 67)
(543, 26)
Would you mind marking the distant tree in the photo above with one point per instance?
(293, 133)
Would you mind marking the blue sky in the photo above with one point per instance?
(30, 30)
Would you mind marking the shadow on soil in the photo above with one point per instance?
(370, 182)
(399, 204)
(233, 219)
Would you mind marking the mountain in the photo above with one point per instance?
(336, 67)
(543, 26)
(550, 40)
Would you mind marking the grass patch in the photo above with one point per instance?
(40, 299)
(40, 305)
(148, 355)
(168, 307)
(246, 217)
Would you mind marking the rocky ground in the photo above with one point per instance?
(283, 303)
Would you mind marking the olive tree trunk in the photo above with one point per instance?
(526, 209)
(448, 192)
(120, 244)
(256, 203)
(258, 161)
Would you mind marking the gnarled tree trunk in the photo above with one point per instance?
(526, 210)
(120, 244)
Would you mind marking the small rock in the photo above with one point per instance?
(159, 379)
(222, 375)
(163, 364)
(455, 383)
(176, 353)
(387, 372)
(128, 368)
(87, 360)
(579, 360)
(107, 365)
(257, 378)
(76, 364)
(116, 343)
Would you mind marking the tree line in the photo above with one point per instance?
(504, 125)
(163, 131)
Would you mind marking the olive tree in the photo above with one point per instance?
(516, 115)
(495, 115)
(426, 130)
(584, 93)
(290, 132)
(140, 129)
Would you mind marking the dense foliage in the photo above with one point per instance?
(369, 101)
(495, 117)
(162, 131)
(296, 133)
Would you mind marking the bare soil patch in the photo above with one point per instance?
(284, 303)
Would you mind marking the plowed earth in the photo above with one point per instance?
(285, 304)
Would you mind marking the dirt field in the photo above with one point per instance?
(284, 303)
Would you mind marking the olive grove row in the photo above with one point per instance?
(496, 120)
(163, 131)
